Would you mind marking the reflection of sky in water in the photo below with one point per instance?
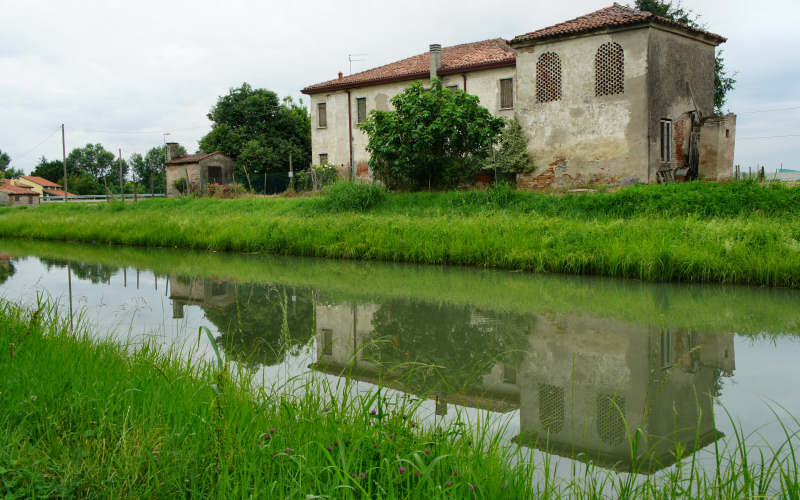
(765, 369)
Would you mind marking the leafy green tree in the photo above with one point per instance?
(52, 170)
(512, 156)
(148, 170)
(259, 131)
(92, 159)
(723, 82)
(5, 160)
(433, 138)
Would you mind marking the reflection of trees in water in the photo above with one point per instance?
(7, 269)
(263, 322)
(96, 273)
(443, 348)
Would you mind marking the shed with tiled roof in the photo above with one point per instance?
(195, 172)
(13, 195)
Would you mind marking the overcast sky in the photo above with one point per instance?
(121, 73)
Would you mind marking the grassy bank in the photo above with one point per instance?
(732, 233)
(83, 418)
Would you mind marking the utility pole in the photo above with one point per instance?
(164, 136)
(121, 189)
(64, 158)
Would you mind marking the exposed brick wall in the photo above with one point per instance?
(679, 138)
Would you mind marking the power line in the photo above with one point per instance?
(26, 153)
(768, 110)
(769, 137)
(135, 132)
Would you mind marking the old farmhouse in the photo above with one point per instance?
(616, 96)
(193, 173)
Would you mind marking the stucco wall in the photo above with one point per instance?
(333, 139)
(681, 81)
(584, 138)
(13, 200)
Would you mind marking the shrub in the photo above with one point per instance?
(512, 156)
(433, 138)
(348, 196)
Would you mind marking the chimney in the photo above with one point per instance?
(172, 151)
(341, 75)
(436, 59)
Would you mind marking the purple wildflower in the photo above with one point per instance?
(272, 431)
(330, 448)
(448, 484)
(427, 451)
(402, 470)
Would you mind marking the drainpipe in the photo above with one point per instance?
(464, 75)
(350, 134)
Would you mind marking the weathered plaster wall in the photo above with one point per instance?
(717, 143)
(198, 173)
(13, 200)
(585, 138)
(680, 79)
(333, 139)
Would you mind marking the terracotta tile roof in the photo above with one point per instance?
(9, 188)
(492, 53)
(614, 16)
(193, 158)
(58, 192)
(40, 181)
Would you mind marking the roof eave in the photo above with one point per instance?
(407, 77)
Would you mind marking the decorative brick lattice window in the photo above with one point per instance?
(552, 408)
(609, 66)
(611, 418)
(548, 77)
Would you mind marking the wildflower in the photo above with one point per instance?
(330, 448)
(448, 484)
(363, 475)
(502, 487)
(375, 446)
(288, 451)
(427, 451)
(413, 424)
(265, 436)
(272, 431)
(405, 416)
(327, 409)
(474, 487)
(402, 470)
(373, 412)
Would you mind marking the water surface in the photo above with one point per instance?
(571, 363)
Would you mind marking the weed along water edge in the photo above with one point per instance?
(200, 374)
(742, 232)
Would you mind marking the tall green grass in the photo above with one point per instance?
(731, 233)
(90, 418)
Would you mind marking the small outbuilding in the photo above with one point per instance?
(11, 195)
(196, 171)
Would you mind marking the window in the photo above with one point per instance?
(666, 140)
(361, 109)
(506, 93)
(323, 158)
(322, 115)
(452, 87)
(327, 341)
(667, 353)
(609, 67)
(509, 374)
(611, 418)
(548, 77)
(30, 200)
(552, 407)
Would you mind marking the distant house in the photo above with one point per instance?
(196, 171)
(40, 185)
(12, 195)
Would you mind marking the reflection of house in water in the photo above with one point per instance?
(204, 292)
(582, 383)
(587, 383)
(346, 343)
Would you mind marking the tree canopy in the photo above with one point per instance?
(434, 137)
(512, 155)
(259, 131)
(5, 160)
(723, 82)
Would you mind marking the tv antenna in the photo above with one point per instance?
(355, 57)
